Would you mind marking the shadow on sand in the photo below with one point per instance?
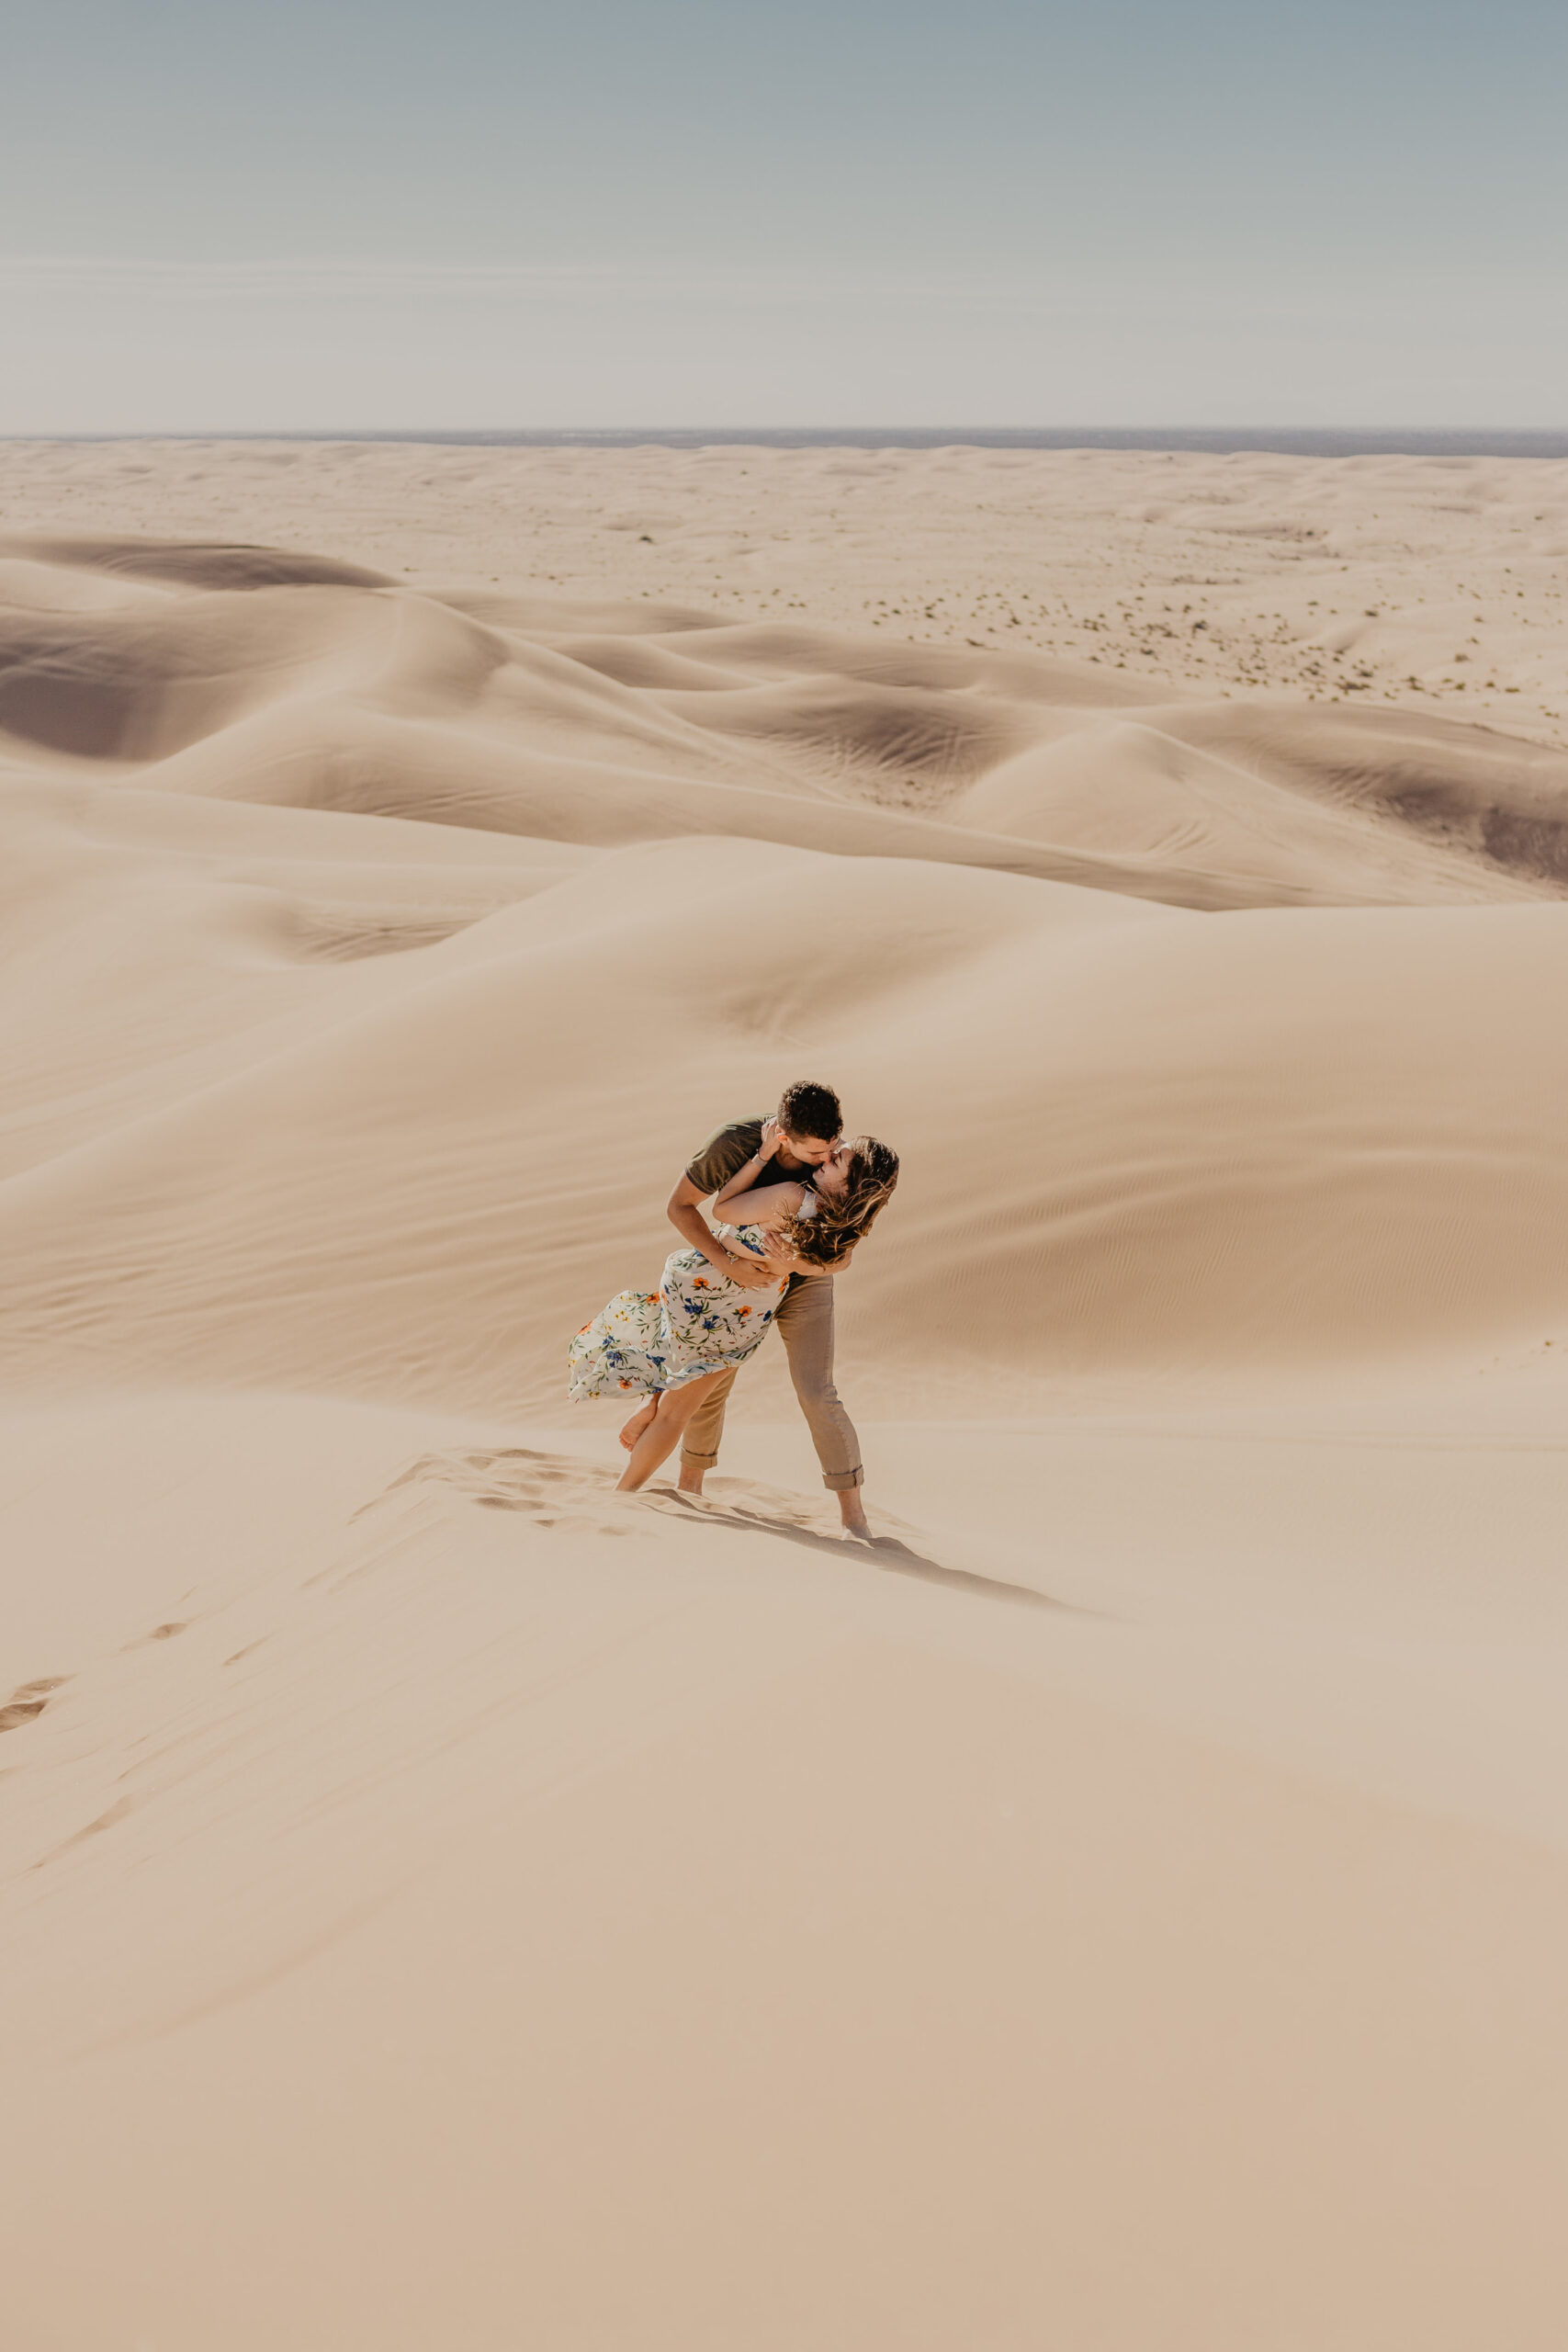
(554, 1489)
(888, 1552)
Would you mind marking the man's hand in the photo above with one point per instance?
(773, 1139)
(752, 1273)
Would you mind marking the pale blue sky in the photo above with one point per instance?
(685, 213)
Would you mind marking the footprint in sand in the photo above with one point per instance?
(159, 1634)
(548, 1488)
(28, 1700)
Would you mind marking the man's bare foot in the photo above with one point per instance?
(856, 1528)
(691, 1481)
(640, 1421)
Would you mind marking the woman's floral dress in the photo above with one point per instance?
(697, 1321)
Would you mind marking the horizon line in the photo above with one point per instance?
(945, 435)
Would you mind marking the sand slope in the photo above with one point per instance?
(461, 1892)
(1128, 1907)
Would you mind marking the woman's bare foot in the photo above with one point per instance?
(640, 1420)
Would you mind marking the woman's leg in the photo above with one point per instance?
(658, 1442)
(633, 1429)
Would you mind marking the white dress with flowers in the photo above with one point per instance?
(697, 1321)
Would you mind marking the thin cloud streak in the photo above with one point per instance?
(1241, 297)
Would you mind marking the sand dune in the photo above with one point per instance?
(1128, 1906)
(1433, 584)
(377, 700)
(1193, 1214)
(1462, 786)
(1154, 783)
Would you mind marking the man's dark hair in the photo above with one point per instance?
(806, 1109)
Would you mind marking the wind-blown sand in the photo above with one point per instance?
(1128, 1908)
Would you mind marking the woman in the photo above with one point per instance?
(675, 1342)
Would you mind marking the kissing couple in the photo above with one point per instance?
(797, 1199)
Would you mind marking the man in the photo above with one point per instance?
(812, 1122)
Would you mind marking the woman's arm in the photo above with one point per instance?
(765, 1205)
(745, 1201)
(687, 1217)
(804, 1265)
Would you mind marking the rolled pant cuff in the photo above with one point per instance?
(839, 1482)
(698, 1461)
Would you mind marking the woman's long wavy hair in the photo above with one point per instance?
(827, 1239)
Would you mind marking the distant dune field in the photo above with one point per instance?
(1127, 1907)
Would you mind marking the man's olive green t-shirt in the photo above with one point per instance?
(725, 1154)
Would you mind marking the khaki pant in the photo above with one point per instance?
(805, 1320)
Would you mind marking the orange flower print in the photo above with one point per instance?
(744, 1312)
(699, 1281)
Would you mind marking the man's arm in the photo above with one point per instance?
(685, 1212)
